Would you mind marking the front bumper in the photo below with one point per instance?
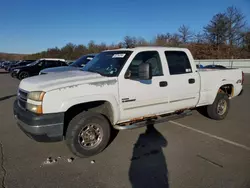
(42, 128)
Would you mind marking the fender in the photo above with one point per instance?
(91, 98)
(223, 82)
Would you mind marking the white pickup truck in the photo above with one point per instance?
(121, 89)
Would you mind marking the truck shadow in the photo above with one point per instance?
(203, 111)
(148, 166)
(6, 97)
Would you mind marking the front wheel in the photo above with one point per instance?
(220, 107)
(13, 74)
(88, 134)
(23, 75)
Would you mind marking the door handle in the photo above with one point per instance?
(163, 83)
(191, 80)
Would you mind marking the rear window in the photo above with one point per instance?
(178, 62)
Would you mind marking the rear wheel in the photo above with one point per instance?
(88, 134)
(23, 75)
(220, 107)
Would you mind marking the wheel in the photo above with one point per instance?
(13, 74)
(220, 107)
(88, 134)
(23, 75)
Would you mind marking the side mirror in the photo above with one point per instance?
(145, 71)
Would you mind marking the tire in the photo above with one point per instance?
(13, 74)
(218, 113)
(23, 75)
(78, 125)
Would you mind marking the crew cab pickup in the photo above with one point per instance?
(121, 89)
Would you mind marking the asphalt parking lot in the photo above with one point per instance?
(190, 152)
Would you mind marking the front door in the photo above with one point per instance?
(143, 97)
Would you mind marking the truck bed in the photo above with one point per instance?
(213, 79)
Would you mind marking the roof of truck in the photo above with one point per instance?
(150, 48)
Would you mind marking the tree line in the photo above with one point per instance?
(226, 36)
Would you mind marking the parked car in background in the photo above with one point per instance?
(78, 64)
(18, 64)
(35, 67)
(5, 64)
(9, 63)
(199, 66)
(1, 64)
(215, 67)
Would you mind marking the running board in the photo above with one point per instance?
(160, 119)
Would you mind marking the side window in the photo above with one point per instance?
(41, 63)
(151, 57)
(50, 64)
(63, 63)
(59, 63)
(178, 62)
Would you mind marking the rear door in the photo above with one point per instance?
(184, 81)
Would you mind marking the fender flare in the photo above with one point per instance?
(91, 98)
(220, 84)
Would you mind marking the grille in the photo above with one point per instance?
(22, 98)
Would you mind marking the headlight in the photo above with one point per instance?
(34, 101)
(36, 95)
(34, 108)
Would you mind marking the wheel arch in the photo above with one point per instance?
(108, 108)
(224, 87)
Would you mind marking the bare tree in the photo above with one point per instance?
(141, 42)
(199, 38)
(163, 39)
(129, 42)
(184, 33)
(236, 25)
(246, 40)
(175, 40)
(216, 30)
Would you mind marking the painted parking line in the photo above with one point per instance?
(212, 136)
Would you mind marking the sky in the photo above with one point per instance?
(30, 26)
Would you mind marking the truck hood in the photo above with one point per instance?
(58, 80)
(60, 69)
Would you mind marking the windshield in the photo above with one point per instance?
(108, 63)
(82, 61)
